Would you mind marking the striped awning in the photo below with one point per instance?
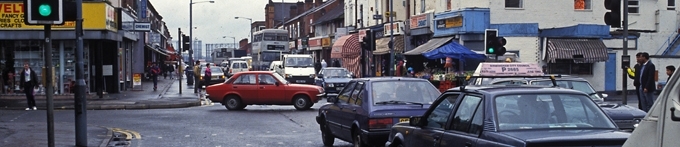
(382, 45)
(351, 54)
(346, 45)
(579, 50)
(430, 45)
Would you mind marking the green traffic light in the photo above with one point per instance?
(491, 50)
(45, 10)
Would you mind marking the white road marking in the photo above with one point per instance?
(294, 131)
(214, 134)
(160, 137)
(241, 133)
(187, 135)
(280, 143)
(268, 132)
(309, 141)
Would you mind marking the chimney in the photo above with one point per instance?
(318, 3)
(309, 4)
(300, 8)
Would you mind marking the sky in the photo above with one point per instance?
(212, 21)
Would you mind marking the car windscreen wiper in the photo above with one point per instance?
(399, 102)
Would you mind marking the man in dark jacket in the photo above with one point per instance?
(317, 66)
(28, 81)
(643, 80)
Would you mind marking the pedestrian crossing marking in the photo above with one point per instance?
(129, 134)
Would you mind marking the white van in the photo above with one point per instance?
(238, 66)
(276, 66)
(298, 68)
(661, 126)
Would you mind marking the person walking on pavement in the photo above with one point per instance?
(197, 74)
(171, 71)
(336, 63)
(155, 71)
(317, 66)
(164, 70)
(643, 80)
(323, 64)
(207, 74)
(28, 81)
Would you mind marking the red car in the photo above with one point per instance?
(262, 88)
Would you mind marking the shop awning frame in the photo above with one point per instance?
(454, 50)
(434, 43)
(579, 50)
(157, 50)
(382, 45)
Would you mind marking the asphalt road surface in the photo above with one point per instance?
(204, 126)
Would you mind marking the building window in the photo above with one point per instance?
(565, 66)
(633, 6)
(671, 5)
(422, 6)
(513, 3)
(582, 4)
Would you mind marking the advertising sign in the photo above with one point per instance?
(450, 22)
(396, 26)
(137, 79)
(97, 17)
(510, 69)
(325, 42)
(420, 21)
(142, 8)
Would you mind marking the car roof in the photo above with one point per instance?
(255, 72)
(569, 78)
(389, 79)
(514, 89)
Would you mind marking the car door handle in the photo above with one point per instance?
(436, 138)
(261, 87)
(468, 144)
(235, 87)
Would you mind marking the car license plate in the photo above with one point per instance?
(300, 81)
(401, 120)
(338, 88)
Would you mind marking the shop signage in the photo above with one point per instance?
(396, 26)
(137, 79)
(450, 22)
(510, 69)
(137, 26)
(142, 5)
(314, 42)
(362, 34)
(325, 42)
(99, 16)
(291, 45)
(420, 21)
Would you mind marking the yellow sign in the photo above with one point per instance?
(325, 42)
(454, 22)
(97, 16)
(137, 79)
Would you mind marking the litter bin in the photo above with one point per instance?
(190, 76)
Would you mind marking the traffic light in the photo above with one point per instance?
(364, 43)
(613, 17)
(43, 12)
(490, 40)
(186, 43)
(368, 43)
(500, 46)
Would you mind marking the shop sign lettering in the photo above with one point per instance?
(510, 69)
(12, 17)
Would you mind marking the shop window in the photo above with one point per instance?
(513, 3)
(633, 6)
(582, 4)
(671, 5)
(565, 66)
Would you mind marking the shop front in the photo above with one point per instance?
(383, 47)
(419, 30)
(23, 44)
(347, 50)
(314, 47)
(326, 46)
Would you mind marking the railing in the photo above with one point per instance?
(669, 43)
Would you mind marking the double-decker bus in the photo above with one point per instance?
(267, 46)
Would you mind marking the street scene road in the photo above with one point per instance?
(205, 126)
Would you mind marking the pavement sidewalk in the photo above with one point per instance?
(166, 96)
(35, 134)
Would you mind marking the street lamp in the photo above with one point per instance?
(251, 27)
(235, 46)
(191, 37)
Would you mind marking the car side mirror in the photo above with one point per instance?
(332, 99)
(414, 121)
(280, 66)
(277, 84)
(319, 75)
(605, 95)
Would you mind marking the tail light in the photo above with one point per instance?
(380, 123)
(230, 70)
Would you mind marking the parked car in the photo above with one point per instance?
(366, 108)
(509, 116)
(333, 79)
(216, 77)
(262, 88)
(626, 117)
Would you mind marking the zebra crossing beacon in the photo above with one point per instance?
(487, 71)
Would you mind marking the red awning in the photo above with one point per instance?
(172, 53)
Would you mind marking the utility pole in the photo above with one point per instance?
(625, 51)
(391, 66)
(80, 100)
(179, 55)
(49, 91)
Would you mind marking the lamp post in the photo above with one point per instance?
(191, 37)
(251, 27)
(234, 38)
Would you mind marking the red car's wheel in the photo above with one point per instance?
(233, 103)
(302, 102)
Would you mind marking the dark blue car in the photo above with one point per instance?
(333, 79)
(365, 110)
(626, 117)
(509, 116)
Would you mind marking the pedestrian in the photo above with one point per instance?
(28, 81)
(323, 64)
(197, 74)
(155, 71)
(317, 66)
(670, 69)
(164, 69)
(643, 80)
(207, 74)
(336, 63)
(171, 71)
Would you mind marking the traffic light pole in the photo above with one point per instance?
(625, 51)
(179, 61)
(49, 90)
(80, 100)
